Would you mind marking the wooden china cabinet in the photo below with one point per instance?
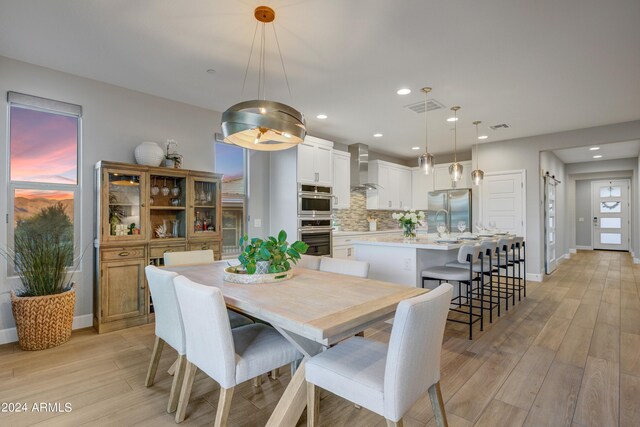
(142, 213)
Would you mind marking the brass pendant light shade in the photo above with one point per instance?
(455, 169)
(477, 175)
(260, 124)
(426, 161)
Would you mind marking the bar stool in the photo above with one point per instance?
(485, 270)
(469, 254)
(519, 260)
(502, 261)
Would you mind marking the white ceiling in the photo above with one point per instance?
(541, 66)
(615, 150)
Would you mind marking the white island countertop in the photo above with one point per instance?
(422, 242)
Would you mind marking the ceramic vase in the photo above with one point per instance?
(149, 154)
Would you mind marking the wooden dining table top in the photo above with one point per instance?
(320, 306)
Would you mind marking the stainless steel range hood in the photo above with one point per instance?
(360, 168)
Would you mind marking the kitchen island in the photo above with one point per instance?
(392, 260)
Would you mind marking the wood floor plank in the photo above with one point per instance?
(552, 334)
(586, 315)
(524, 382)
(605, 343)
(630, 354)
(598, 401)
(575, 346)
(629, 401)
(498, 412)
(556, 400)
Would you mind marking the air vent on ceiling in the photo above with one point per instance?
(500, 126)
(418, 107)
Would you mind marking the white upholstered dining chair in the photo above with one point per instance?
(345, 266)
(309, 261)
(387, 379)
(229, 356)
(188, 257)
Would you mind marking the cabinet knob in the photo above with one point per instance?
(142, 205)
(125, 253)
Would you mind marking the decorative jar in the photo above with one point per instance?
(149, 154)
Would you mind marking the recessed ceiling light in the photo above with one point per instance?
(403, 91)
(321, 116)
(599, 156)
(594, 148)
(452, 119)
(483, 137)
(415, 148)
(377, 135)
(211, 71)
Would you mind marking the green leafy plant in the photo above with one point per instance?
(276, 251)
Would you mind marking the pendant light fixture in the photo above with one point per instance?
(455, 169)
(425, 161)
(477, 175)
(260, 124)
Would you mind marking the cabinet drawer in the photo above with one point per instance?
(345, 240)
(113, 254)
(205, 245)
(159, 251)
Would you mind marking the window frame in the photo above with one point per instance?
(244, 201)
(35, 103)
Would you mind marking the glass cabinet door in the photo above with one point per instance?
(124, 211)
(167, 206)
(204, 213)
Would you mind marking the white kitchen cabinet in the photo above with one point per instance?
(315, 162)
(421, 184)
(341, 180)
(442, 180)
(344, 252)
(395, 181)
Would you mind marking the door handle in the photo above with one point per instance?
(595, 221)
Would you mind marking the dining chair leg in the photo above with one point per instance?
(172, 368)
(435, 395)
(398, 423)
(155, 359)
(257, 381)
(176, 385)
(189, 374)
(224, 405)
(313, 405)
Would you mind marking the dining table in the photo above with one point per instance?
(312, 310)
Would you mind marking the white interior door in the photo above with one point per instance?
(551, 259)
(610, 212)
(503, 196)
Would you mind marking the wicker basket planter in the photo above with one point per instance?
(255, 279)
(43, 322)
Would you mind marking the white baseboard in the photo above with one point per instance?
(573, 251)
(534, 277)
(566, 256)
(584, 248)
(636, 260)
(11, 335)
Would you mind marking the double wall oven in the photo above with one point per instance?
(314, 218)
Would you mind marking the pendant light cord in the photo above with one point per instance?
(455, 137)
(284, 70)
(477, 144)
(426, 123)
(246, 70)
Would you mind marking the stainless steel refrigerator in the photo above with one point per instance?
(457, 203)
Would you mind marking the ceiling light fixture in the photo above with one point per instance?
(260, 124)
(594, 148)
(483, 137)
(599, 156)
(377, 135)
(415, 148)
(455, 169)
(403, 91)
(426, 161)
(321, 116)
(452, 119)
(477, 175)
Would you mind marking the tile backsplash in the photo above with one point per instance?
(355, 218)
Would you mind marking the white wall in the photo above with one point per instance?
(549, 162)
(523, 153)
(114, 121)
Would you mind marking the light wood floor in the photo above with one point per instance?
(567, 355)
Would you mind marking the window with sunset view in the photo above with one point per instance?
(44, 138)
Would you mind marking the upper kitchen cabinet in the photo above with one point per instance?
(395, 186)
(442, 180)
(421, 184)
(315, 162)
(341, 179)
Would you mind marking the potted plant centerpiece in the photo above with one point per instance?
(408, 220)
(42, 254)
(264, 261)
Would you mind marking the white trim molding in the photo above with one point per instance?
(79, 322)
(533, 277)
(566, 256)
(584, 248)
(573, 251)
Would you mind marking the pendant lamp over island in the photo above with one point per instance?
(455, 169)
(260, 124)
(477, 175)
(425, 161)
